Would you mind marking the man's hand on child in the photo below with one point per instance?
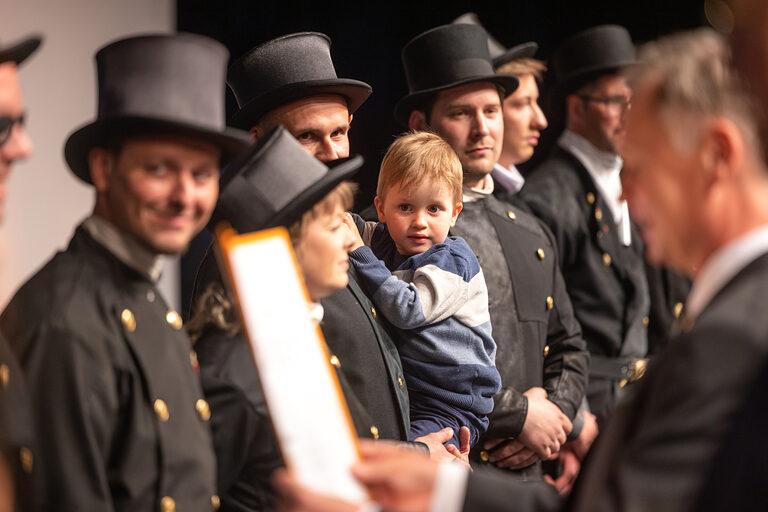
(349, 224)
(462, 455)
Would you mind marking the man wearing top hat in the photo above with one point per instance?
(291, 81)
(540, 354)
(16, 456)
(118, 408)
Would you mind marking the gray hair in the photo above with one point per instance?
(694, 80)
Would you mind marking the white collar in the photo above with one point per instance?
(316, 311)
(509, 178)
(722, 266)
(481, 191)
(125, 247)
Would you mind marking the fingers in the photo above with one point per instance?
(571, 468)
(511, 448)
(490, 444)
(519, 462)
(441, 436)
(464, 439)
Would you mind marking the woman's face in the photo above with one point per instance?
(323, 253)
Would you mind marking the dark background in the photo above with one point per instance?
(367, 39)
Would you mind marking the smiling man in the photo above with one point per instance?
(540, 353)
(120, 416)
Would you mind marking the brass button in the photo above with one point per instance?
(483, 455)
(5, 375)
(373, 311)
(540, 253)
(375, 431)
(27, 459)
(216, 502)
(550, 302)
(678, 309)
(623, 383)
(598, 214)
(129, 321)
(203, 409)
(173, 319)
(193, 360)
(167, 504)
(606, 259)
(512, 215)
(546, 350)
(590, 198)
(646, 321)
(161, 410)
(335, 361)
(400, 382)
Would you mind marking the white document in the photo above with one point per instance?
(308, 411)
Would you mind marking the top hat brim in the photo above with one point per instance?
(355, 92)
(413, 101)
(21, 50)
(520, 51)
(230, 142)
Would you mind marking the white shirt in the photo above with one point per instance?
(722, 266)
(604, 168)
(509, 178)
(481, 191)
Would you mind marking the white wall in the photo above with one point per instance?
(45, 200)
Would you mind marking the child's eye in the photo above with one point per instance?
(433, 209)
(404, 207)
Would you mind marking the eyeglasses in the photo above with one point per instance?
(6, 126)
(614, 104)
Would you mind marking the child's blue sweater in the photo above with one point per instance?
(439, 300)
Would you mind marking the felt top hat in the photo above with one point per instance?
(588, 55)
(275, 183)
(445, 57)
(499, 54)
(286, 69)
(158, 85)
(20, 50)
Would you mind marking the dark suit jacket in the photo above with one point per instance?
(117, 404)
(606, 281)
(659, 446)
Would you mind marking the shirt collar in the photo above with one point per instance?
(125, 248)
(481, 191)
(509, 178)
(722, 266)
(316, 311)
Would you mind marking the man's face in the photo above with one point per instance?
(417, 217)
(604, 107)
(663, 187)
(323, 253)
(319, 123)
(523, 121)
(17, 145)
(469, 118)
(161, 191)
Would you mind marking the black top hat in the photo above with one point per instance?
(589, 54)
(20, 50)
(443, 58)
(499, 54)
(275, 183)
(158, 85)
(286, 69)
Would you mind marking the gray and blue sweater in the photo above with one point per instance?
(439, 302)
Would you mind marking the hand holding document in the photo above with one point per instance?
(308, 410)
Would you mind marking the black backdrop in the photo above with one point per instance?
(367, 38)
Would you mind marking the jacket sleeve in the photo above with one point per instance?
(433, 295)
(566, 364)
(510, 408)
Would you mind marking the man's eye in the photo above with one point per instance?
(304, 136)
(338, 133)
(205, 175)
(157, 169)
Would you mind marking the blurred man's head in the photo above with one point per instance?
(694, 175)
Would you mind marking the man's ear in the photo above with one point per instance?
(350, 119)
(101, 163)
(417, 121)
(722, 149)
(379, 204)
(574, 108)
(256, 132)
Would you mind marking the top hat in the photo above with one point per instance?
(589, 54)
(19, 51)
(443, 58)
(158, 85)
(499, 54)
(286, 69)
(275, 183)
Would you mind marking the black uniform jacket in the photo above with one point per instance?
(16, 439)
(659, 446)
(606, 280)
(369, 371)
(546, 349)
(117, 405)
